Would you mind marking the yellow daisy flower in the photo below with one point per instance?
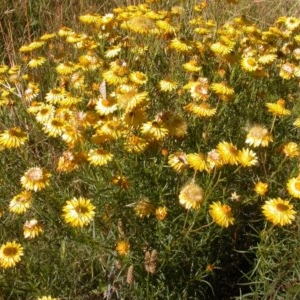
(36, 62)
(222, 48)
(228, 153)
(135, 144)
(35, 179)
(261, 188)
(221, 214)
(278, 108)
(167, 85)
(222, 89)
(197, 161)
(106, 106)
(123, 248)
(10, 254)
(78, 212)
(192, 66)
(180, 45)
(259, 135)
(154, 130)
(278, 211)
(286, 71)
(54, 127)
(12, 138)
(249, 64)
(293, 186)
(47, 298)
(203, 110)
(31, 229)
(21, 202)
(143, 208)
(99, 157)
(291, 149)
(138, 77)
(66, 68)
(191, 196)
(161, 213)
(247, 158)
(178, 161)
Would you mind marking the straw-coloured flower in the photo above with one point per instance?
(35, 179)
(21, 202)
(78, 212)
(293, 186)
(99, 157)
(221, 214)
(278, 211)
(161, 213)
(228, 153)
(123, 248)
(31, 229)
(13, 138)
(10, 254)
(291, 149)
(259, 135)
(278, 108)
(261, 188)
(178, 161)
(247, 158)
(191, 196)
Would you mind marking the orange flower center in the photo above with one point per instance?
(81, 209)
(282, 207)
(10, 251)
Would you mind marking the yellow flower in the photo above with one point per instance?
(35, 179)
(247, 158)
(180, 45)
(259, 135)
(203, 110)
(10, 254)
(167, 85)
(78, 212)
(293, 186)
(178, 161)
(154, 130)
(286, 71)
(123, 248)
(135, 144)
(36, 62)
(278, 108)
(161, 213)
(139, 24)
(138, 77)
(228, 153)
(291, 149)
(278, 211)
(222, 48)
(222, 89)
(105, 106)
(143, 208)
(31, 229)
(192, 66)
(261, 188)
(191, 196)
(249, 64)
(175, 124)
(99, 157)
(221, 214)
(66, 68)
(197, 161)
(12, 138)
(54, 127)
(21, 202)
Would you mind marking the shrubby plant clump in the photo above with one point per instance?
(152, 155)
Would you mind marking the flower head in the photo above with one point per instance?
(35, 179)
(221, 213)
(78, 212)
(247, 158)
(228, 152)
(278, 211)
(278, 108)
(123, 248)
(291, 149)
(12, 138)
(259, 136)
(143, 208)
(31, 229)
(261, 188)
(21, 202)
(161, 213)
(191, 196)
(293, 186)
(10, 254)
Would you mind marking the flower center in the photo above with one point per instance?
(10, 251)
